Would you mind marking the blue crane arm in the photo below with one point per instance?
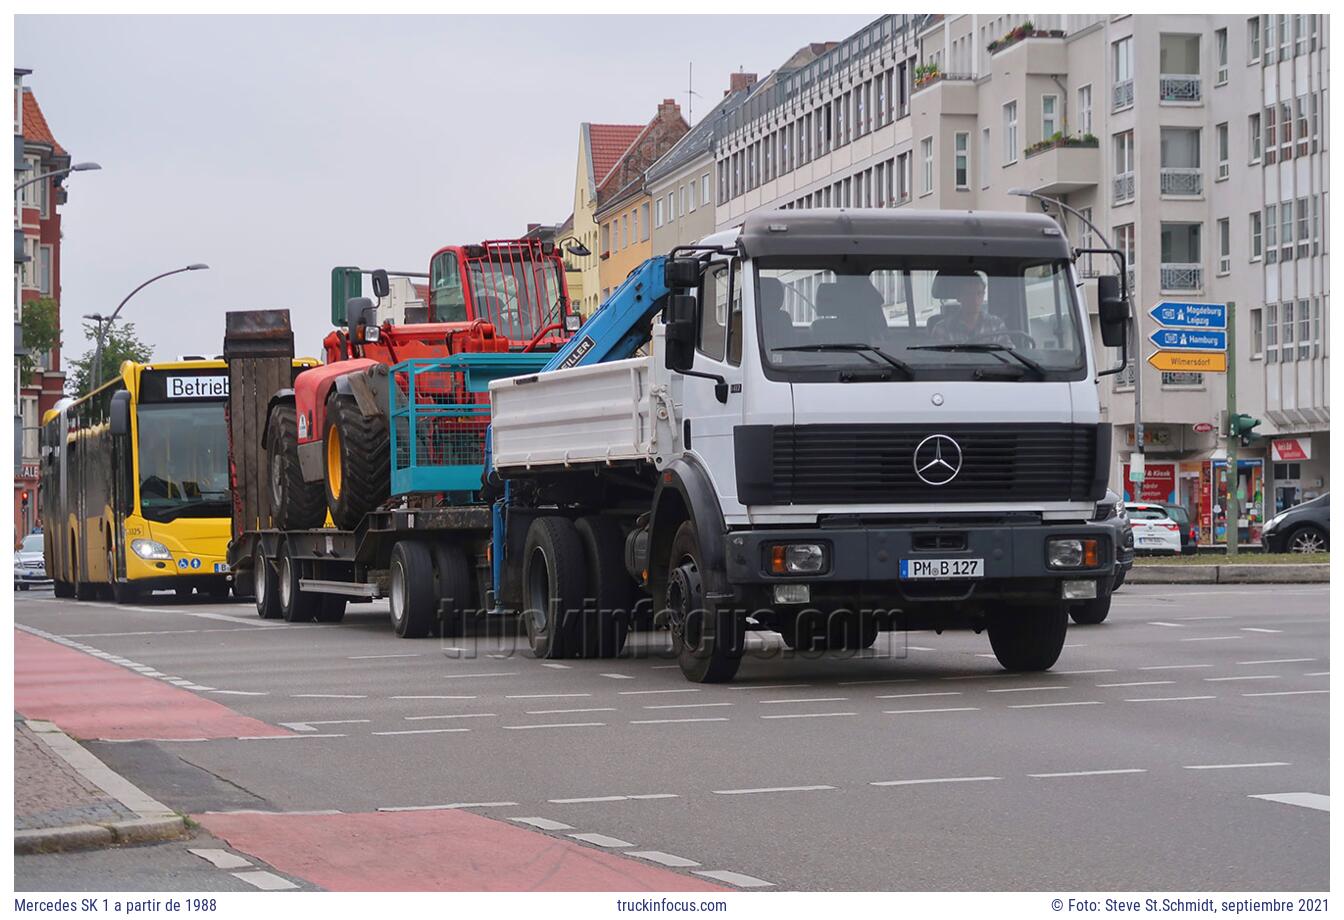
(622, 324)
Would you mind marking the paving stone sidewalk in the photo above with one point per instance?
(48, 792)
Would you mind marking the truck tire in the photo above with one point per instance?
(358, 466)
(1089, 613)
(410, 595)
(296, 605)
(330, 608)
(296, 504)
(708, 642)
(1029, 638)
(851, 631)
(265, 587)
(611, 591)
(62, 589)
(805, 631)
(452, 589)
(555, 584)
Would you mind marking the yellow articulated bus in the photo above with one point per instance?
(135, 484)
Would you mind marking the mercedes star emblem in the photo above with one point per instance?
(937, 459)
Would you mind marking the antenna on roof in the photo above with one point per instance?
(690, 92)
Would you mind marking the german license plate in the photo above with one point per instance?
(912, 569)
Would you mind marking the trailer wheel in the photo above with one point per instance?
(296, 504)
(296, 605)
(453, 588)
(330, 608)
(411, 590)
(265, 587)
(611, 590)
(358, 470)
(708, 641)
(1029, 638)
(1089, 613)
(554, 586)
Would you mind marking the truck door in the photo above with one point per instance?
(707, 423)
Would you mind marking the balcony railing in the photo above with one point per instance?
(1182, 180)
(1122, 188)
(1182, 276)
(1122, 95)
(1179, 87)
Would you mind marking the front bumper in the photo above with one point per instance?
(865, 562)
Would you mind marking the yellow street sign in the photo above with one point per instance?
(1212, 362)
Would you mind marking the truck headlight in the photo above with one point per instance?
(1071, 553)
(150, 549)
(797, 558)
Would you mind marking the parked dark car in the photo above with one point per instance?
(1110, 510)
(1189, 532)
(1303, 528)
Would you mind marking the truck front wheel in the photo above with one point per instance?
(708, 641)
(358, 471)
(296, 504)
(1029, 638)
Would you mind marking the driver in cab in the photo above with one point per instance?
(965, 319)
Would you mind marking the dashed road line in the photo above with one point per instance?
(1139, 683)
(911, 696)
(544, 696)
(602, 840)
(308, 726)
(1170, 699)
(372, 657)
(423, 731)
(1302, 799)
(675, 721)
(448, 807)
(765, 687)
(1087, 671)
(807, 715)
(904, 712)
(941, 779)
(545, 824)
(614, 676)
(282, 737)
(328, 696)
(815, 699)
(1174, 667)
(1086, 773)
(556, 725)
(1235, 766)
(1055, 705)
(1024, 689)
(1278, 661)
(772, 789)
(487, 674)
(1317, 674)
(645, 692)
(615, 798)
(863, 683)
(563, 712)
(1287, 693)
(266, 881)
(735, 878)
(556, 665)
(1245, 677)
(687, 705)
(1259, 629)
(664, 859)
(221, 859)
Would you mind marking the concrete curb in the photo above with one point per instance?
(153, 821)
(1250, 574)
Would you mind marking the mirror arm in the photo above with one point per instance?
(720, 385)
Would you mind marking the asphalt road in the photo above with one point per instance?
(1181, 745)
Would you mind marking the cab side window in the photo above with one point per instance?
(448, 303)
(714, 291)
(735, 316)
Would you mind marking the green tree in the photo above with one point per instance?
(120, 344)
(41, 331)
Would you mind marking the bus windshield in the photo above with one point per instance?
(183, 460)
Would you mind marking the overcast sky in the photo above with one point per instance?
(275, 147)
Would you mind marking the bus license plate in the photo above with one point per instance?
(912, 569)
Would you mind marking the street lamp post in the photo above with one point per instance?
(77, 167)
(1134, 315)
(105, 323)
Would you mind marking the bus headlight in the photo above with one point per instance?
(150, 549)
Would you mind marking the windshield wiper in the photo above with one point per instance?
(991, 348)
(860, 348)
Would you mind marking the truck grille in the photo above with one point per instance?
(852, 464)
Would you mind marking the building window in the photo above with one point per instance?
(1123, 182)
(1122, 67)
(1257, 334)
(1285, 38)
(1220, 56)
(961, 159)
(1010, 133)
(644, 221)
(1315, 122)
(1285, 131)
(1271, 153)
(984, 157)
(1286, 331)
(1253, 40)
(1253, 137)
(1271, 43)
(926, 157)
(1257, 243)
(1179, 79)
(1049, 116)
(688, 198)
(704, 188)
(903, 168)
(1303, 139)
(606, 239)
(1085, 109)
(1182, 259)
(625, 231)
(1303, 330)
(671, 206)
(1271, 234)
(1271, 333)
(1285, 231)
(658, 212)
(1224, 245)
(1303, 229)
(1220, 134)
(1299, 35)
(1181, 173)
(44, 270)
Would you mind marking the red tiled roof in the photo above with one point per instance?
(35, 127)
(606, 145)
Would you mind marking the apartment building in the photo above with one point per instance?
(1197, 143)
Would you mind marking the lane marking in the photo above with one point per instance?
(808, 715)
(280, 737)
(266, 881)
(1055, 705)
(1218, 617)
(602, 840)
(1023, 689)
(903, 712)
(771, 789)
(372, 657)
(1317, 674)
(862, 683)
(735, 878)
(815, 699)
(1085, 773)
(221, 859)
(1287, 693)
(1209, 638)
(1088, 671)
(655, 795)
(1236, 766)
(1257, 629)
(942, 779)
(1246, 677)
(329, 696)
(674, 721)
(308, 726)
(910, 696)
(431, 697)
(616, 677)
(1139, 683)
(1173, 667)
(664, 859)
(1163, 623)
(489, 674)
(558, 712)
(1170, 699)
(995, 674)
(642, 692)
(543, 696)
(1302, 799)
(557, 725)
(243, 692)
(422, 731)
(1278, 661)
(687, 705)
(450, 805)
(557, 666)
(545, 824)
(460, 715)
(591, 798)
(766, 687)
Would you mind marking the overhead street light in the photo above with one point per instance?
(105, 323)
(77, 167)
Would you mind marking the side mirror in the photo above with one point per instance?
(381, 286)
(359, 312)
(681, 274)
(121, 414)
(680, 335)
(1112, 311)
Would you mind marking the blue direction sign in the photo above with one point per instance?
(1189, 340)
(1190, 315)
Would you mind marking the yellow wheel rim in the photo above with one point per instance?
(334, 461)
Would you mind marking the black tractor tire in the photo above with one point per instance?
(296, 605)
(355, 451)
(453, 589)
(555, 584)
(265, 587)
(295, 504)
(611, 591)
(330, 608)
(708, 641)
(1029, 638)
(1090, 613)
(411, 601)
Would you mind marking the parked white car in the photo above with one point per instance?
(29, 566)
(1154, 530)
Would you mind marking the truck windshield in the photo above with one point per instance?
(518, 295)
(940, 317)
(183, 461)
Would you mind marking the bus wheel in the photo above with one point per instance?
(355, 450)
(265, 587)
(86, 591)
(122, 592)
(297, 504)
(410, 595)
(296, 605)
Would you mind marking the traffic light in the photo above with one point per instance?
(23, 496)
(1243, 427)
